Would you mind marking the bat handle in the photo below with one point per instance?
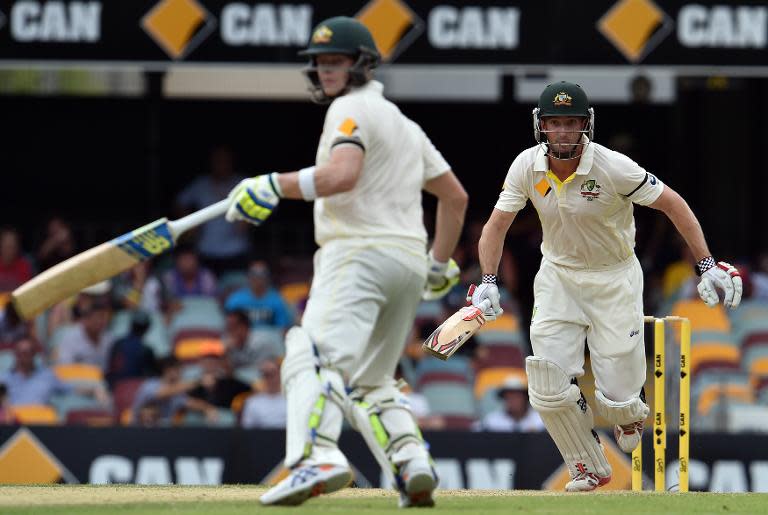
(198, 217)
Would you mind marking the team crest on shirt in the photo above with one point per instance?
(562, 99)
(590, 189)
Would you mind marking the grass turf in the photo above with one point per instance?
(50, 500)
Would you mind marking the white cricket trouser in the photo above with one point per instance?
(604, 307)
(362, 305)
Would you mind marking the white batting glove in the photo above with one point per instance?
(441, 278)
(253, 200)
(719, 275)
(486, 297)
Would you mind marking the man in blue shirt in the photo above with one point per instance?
(263, 303)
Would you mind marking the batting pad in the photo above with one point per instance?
(383, 417)
(619, 413)
(314, 399)
(567, 416)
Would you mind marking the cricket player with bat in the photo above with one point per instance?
(370, 272)
(590, 284)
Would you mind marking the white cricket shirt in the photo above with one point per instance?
(587, 220)
(399, 159)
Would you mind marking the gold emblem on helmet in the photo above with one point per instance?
(562, 99)
(322, 35)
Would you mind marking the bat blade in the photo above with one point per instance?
(90, 267)
(454, 332)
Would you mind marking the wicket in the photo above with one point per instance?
(659, 409)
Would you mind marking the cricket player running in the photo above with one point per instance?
(370, 272)
(590, 284)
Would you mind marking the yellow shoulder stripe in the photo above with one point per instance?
(348, 126)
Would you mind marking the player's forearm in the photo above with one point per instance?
(338, 175)
(684, 220)
(491, 243)
(449, 221)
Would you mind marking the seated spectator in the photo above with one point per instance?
(217, 386)
(222, 246)
(87, 341)
(188, 277)
(516, 415)
(267, 408)
(29, 384)
(11, 326)
(263, 303)
(6, 417)
(246, 347)
(15, 269)
(58, 244)
(129, 356)
(138, 288)
(168, 396)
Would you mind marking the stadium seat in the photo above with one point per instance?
(79, 373)
(7, 360)
(226, 418)
(441, 377)
(294, 293)
(197, 313)
(714, 355)
(506, 322)
(248, 375)
(231, 281)
(456, 364)
(449, 398)
(492, 356)
(35, 414)
(709, 396)
(192, 344)
(702, 318)
(458, 422)
(749, 309)
(489, 402)
(430, 312)
(90, 417)
(64, 404)
(489, 379)
(502, 337)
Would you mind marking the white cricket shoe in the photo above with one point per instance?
(307, 481)
(586, 482)
(419, 481)
(628, 435)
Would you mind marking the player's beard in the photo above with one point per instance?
(563, 151)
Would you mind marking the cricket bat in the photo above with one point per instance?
(106, 260)
(455, 331)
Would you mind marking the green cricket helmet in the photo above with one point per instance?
(563, 99)
(341, 35)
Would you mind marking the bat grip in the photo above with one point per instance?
(198, 217)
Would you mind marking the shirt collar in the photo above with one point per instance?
(541, 163)
(372, 86)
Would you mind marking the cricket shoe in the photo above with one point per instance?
(419, 481)
(307, 481)
(628, 435)
(586, 482)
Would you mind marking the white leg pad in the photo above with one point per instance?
(567, 416)
(314, 397)
(383, 417)
(621, 413)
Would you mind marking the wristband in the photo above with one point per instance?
(489, 279)
(275, 183)
(307, 183)
(704, 265)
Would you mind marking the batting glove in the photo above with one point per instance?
(719, 275)
(253, 200)
(486, 297)
(441, 278)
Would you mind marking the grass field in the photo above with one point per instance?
(50, 500)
